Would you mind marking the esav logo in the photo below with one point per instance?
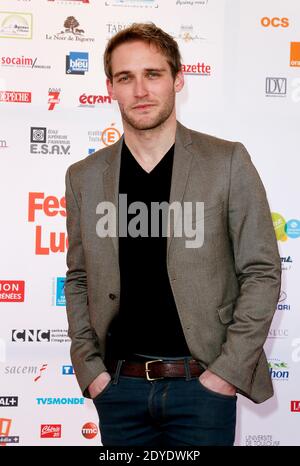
(67, 370)
(12, 291)
(274, 22)
(89, 430)
(276, 87)
(32, 335)
(77, 63)
(48, 142)
(295, 406)
(9, 401)
(278, 369)
(50, 430)
(53, 98)
(295, 54)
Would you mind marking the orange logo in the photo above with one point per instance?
(295, 54)
(4, 430)
(275, 22)
(110, 135)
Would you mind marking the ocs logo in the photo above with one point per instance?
(89, 430)
(274, 22)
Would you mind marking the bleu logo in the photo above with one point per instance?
(67, 370)
(60, 291)
(77, 63)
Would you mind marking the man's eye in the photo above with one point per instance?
(153, 74)
(123, 78)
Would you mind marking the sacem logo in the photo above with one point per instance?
(274, 22)
(89, 430)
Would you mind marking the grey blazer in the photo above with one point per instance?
(226, 292)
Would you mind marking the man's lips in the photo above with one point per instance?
(142, 106)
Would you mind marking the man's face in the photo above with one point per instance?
(143, 85)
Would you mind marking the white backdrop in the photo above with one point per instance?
(242, 62)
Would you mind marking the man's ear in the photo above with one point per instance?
(110, 89)
(179, 81)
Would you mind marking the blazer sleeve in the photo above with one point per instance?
(258, 270)
(85, 355)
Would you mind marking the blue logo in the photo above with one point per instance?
(67, 370)
(60, 291)
(91, 150)
(77, 63)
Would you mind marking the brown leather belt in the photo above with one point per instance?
(156, 368)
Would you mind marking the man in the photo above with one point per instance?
(163, 334)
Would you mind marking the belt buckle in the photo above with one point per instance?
(148, 370)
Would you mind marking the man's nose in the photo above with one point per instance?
(140, 88)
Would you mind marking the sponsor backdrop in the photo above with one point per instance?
(241, 61)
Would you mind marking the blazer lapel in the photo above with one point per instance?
(111, 184)
(181, 168)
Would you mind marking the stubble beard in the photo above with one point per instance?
(140, 123)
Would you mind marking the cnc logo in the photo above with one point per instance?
(53, 98)
(12, 291)
(276, 87)
(14, 25)
(295, 54)
(18, 97)
(77, 63)
(198, 69)
(8, 401)
(50, 430)
(89, 430)
(29, 336)
(274, 22)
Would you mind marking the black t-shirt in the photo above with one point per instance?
(148, 321)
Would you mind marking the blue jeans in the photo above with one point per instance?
(170, 412)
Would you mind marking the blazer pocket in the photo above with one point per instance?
(226, 313)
